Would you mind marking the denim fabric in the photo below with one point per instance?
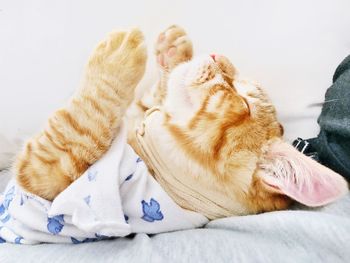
(333, 142)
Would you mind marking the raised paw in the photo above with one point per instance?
(122, 54)
(173, 47)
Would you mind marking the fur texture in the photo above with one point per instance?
(223, 133)
(80, 133)
(220, 131)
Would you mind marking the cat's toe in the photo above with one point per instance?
(114, 41)
(128, 58)
(126, 46)
(105, 48)
(134, 38)
(173, 47)
(120, 47)
(120, 41)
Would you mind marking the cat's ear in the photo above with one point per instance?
(286, 171)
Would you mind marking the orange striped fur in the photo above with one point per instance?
(223, 132)
(217, 128)
(80, 133)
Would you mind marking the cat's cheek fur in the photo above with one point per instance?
(288, 172)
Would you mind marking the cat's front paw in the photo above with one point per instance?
(122, 54)
(173, 47)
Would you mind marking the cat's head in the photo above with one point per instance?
(230, 129)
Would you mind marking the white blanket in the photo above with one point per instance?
(115, 197)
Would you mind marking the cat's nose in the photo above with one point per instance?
(217, 57)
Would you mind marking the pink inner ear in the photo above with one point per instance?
(290, 172)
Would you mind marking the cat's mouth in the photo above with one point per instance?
(246, 104)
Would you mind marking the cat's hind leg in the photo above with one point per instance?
(80, 133)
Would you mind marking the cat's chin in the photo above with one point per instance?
(179, 103)
(180, 107)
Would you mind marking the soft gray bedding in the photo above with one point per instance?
(297, 235)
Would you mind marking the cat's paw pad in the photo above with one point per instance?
(173, 47)
(120, 53)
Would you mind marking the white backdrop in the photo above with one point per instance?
(291, 47)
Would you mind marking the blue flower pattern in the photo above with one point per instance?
(10, 194)
(126, 218)
(151, 211)
(22, 200)
(2, 209)
(7, 200)
(18, 240)
(55, 224)
(92, 175)
(87, 200)
(129, 177)
(5, 219)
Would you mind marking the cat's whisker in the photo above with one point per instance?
(320, 104)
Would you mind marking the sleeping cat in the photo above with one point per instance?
(211, 140)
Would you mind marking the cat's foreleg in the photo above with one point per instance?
(172, 48)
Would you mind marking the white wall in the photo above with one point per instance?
(291, 47)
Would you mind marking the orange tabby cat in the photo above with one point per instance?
(213, 142)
